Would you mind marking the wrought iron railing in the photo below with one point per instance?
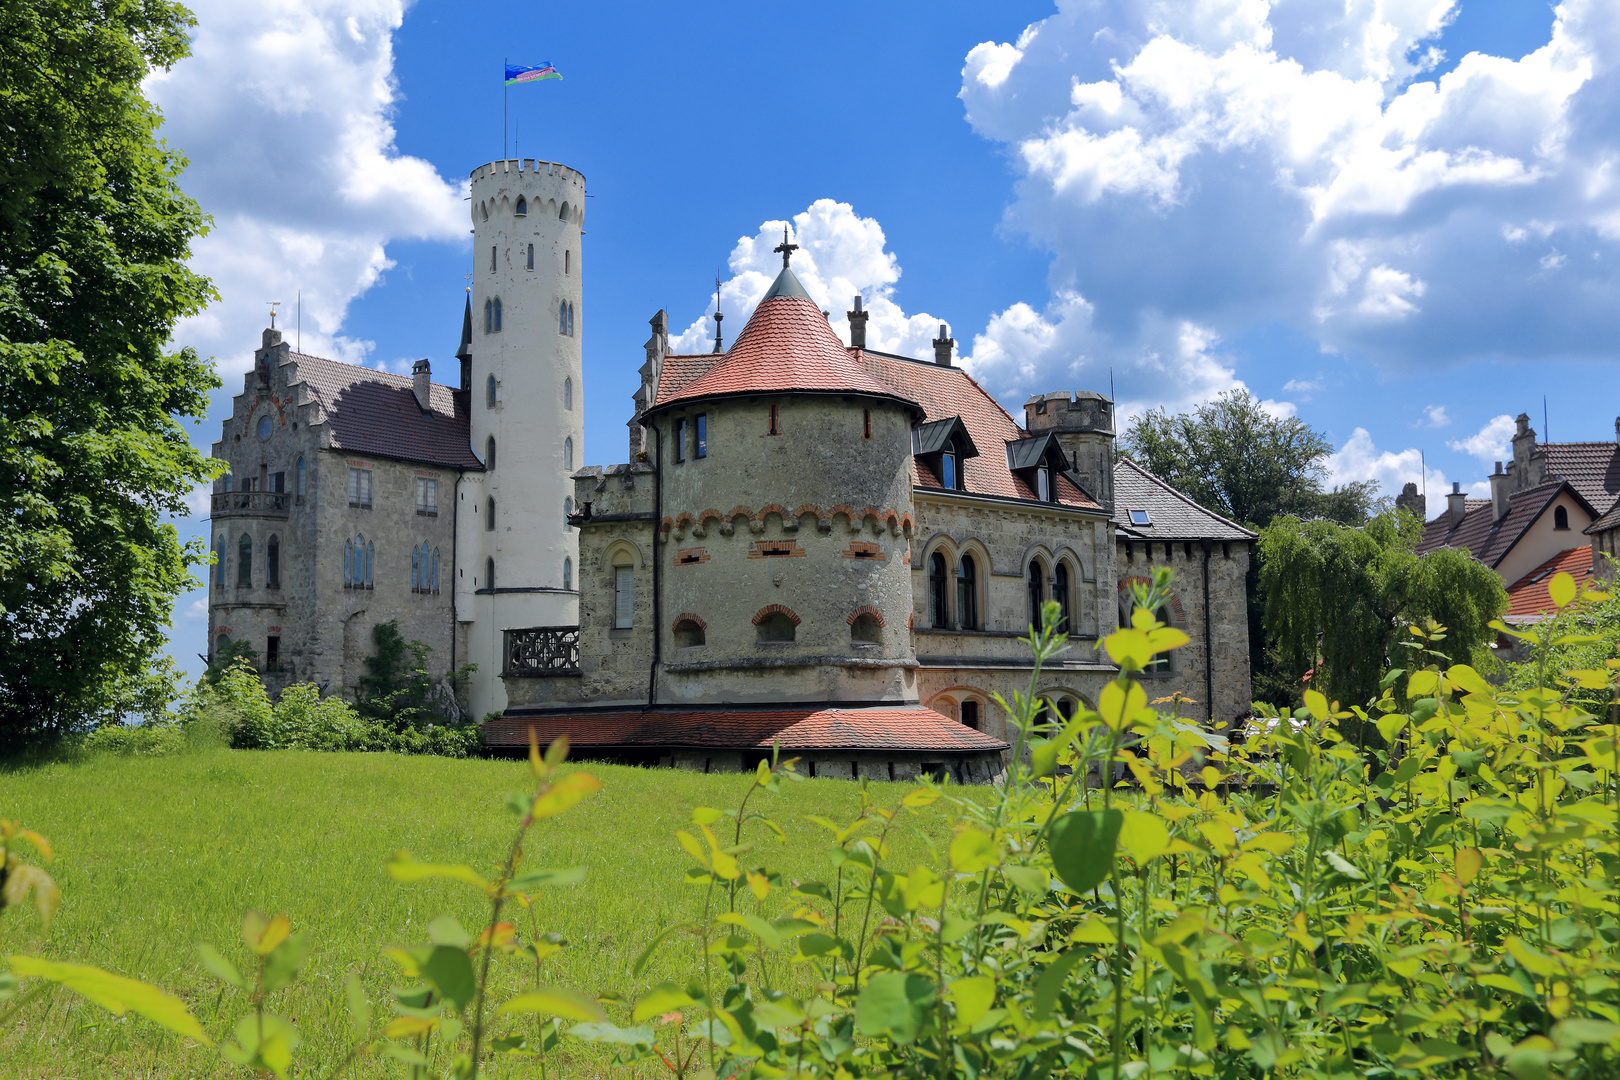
(261, 503)
(543, 650)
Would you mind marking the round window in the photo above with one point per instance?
(264, 427)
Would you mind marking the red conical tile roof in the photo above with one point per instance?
(787, 347)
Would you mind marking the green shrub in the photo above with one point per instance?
(137, 740)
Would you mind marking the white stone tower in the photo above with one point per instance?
(527, 404)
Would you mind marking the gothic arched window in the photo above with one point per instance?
(489, 452)
(568, 453)
(568, 573)
(562, 318)
(489, 391)
(244, 560)
(938, 597)
(531, 256)
(219, 562)
(1037, 592)
(967, 593)
(489, 515)
(272, 562)
(522, 206)
(1060, 593)
(434, 579)
(489, 574)
(489, 316)
(416, 569)
(568, 511)
(497, 314)
(568, 394)
(300, 480)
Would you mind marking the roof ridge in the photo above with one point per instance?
(1183, 496)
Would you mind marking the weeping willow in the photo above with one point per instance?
(1339, 599)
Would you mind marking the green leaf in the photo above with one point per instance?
(755, 925)
(1562, 589)
(359, 1010)
(1051, 982)
(564, 794)
(608, 1032)
(1143, 836)
(1344, 866)
(663, 998)
(646, 954)
(403, 868)
(1120, 701)
(538, 878)
(1580, 1030)
(445, 930)
(555, 1001)
(281, 967)
(972, 997)
(449, 969)
(115, 993)
(220, 967)
(893, 1004)
(1317, 704)
(1390, 725)
(972, 851)
(1027, 879)
(1082, 844)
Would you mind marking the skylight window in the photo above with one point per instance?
(1140, 517)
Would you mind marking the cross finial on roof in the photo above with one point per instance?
(785, 248)
(717, 315)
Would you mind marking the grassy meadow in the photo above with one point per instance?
(154, 855)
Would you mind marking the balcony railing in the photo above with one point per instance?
(250, 503)
(543, 651)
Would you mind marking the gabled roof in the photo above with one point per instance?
(945, 392)
(1529, 600)
(1592, 469)
(1608, 521)
(1173, 516)
(930, 438)
(375, 412)
(787, 347)
(904, 728)
(1029, 452)
(1490, 541)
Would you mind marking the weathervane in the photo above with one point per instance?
(273, 305)
(786, 249)
(717, 315)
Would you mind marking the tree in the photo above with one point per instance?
(94, 234)
(1339, 598)
(1245, 463)
(397, 688)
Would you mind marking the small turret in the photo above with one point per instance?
(1412, 501)
(943, 346)
(1084, 425)
(857, 330)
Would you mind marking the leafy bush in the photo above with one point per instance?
(131, 740)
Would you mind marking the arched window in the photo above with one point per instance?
(531, 256)
(272, 562)
(416, 569)
(967, 593)
(434, 577)
(865, 630)
(568, 511)
(568, 394)
(301, 479)
(489, 316)
(244, 560)
(777, 626)
(485, 208)
(562, 214)
(348, 563)
(568, 573)
(1060, 593)
(1037, 592)
(939, 614)
(489, 452)
(522, 206)
(220, 643)
(489, 574)
(370, 551)
(497, 314)
(562, 318)
(568, 452)
(489, 514)
(624, 594)
(570, 318)
(489, 391)
(219, 562)
(688, 634)
(1560, 518)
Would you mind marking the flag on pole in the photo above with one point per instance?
(520, 73)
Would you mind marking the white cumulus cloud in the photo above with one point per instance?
(1491, 443)
(283, 109)
(1360, 459)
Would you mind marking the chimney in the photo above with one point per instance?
(1412, 502)
(943, 346)
(857, 332)
(421, 384)
(1457, 504)
(1499, 495)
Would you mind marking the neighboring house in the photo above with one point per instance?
(836, 550)
(1529, 600)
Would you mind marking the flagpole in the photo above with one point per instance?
(504, 62)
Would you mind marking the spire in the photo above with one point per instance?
(785, 249)
(717, 316)
(465, 351)
(786, 284)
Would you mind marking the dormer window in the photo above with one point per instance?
(1043, 484)
(947, 468)
(942, 448)
(1037, 461)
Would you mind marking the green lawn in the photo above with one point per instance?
(155, 855)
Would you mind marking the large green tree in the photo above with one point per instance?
(94, 234)
(1246, 463)
(1338, 599)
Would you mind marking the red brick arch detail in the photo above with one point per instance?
(891, 519)
(906, 523)
(683, 520)
(866, 609)
(809, 508)
(687, 616)
(769, 508)
(708, 515)
(771, 609)
(687, 519)
(739, 511)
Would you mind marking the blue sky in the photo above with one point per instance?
(1397, 222)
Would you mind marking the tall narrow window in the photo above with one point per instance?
(219, 562)
(1560, 518)
(624, 607)
(489, 453)
(416, 569)
(967, 593)
(363, 551)
(680, 441)
(492, 258)
(568, 453)
(434, 578)
(938, 592)
(272, 562)
(489, 515)
(427, 497)
(489, 392)
(497, 314)
(947, 470)
(1037, 592)
(489, 574)
(568, 394)
(568, 573)
(776, 427)
(522, 206)
(570, 318)
(562, 318)
(348, 563)
(701, 449)
(489, 316)
(531, 256)
(970, 714)
(244, 561)
(1043, 484)
(360, 487)
(568, 262)
(301, 479)
(866, 423)
(272, 652)
(568, 511)
(1060, 593)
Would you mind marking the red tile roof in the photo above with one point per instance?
(1528, 599)
(374, 412)
(1487, 540)
(902, 728)
(786, 347)
(944, 392)
(1592, 468)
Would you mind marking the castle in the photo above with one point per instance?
(813, 544)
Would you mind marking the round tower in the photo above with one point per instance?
(517, 563)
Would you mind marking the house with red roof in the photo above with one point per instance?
(833, 549)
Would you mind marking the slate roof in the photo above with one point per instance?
(1173, 515)
(1608, 521)
(786, 347)
(375, 412)
(1528, 599)
(911, 729)
(1489, 541)
(1592, 469)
